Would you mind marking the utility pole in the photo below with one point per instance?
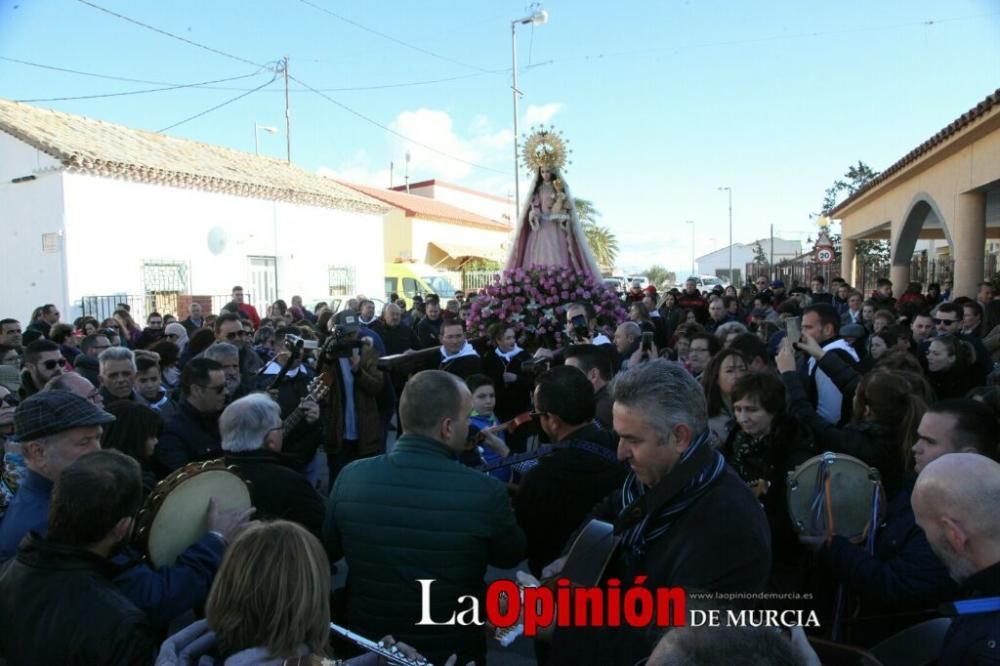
(288, 117)
(771, 263)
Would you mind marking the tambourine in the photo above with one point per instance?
(835, 494)
(174, 516)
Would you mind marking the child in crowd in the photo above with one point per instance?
(493, 447)
(148, 382)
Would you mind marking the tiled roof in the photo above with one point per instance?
(417, 206)
(953, 128)
(96, 147)
(435, 182)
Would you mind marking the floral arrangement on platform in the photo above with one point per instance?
(533, 301)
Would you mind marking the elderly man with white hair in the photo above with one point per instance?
(955, 502)
(251, 439)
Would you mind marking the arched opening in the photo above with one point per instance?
(923, 221)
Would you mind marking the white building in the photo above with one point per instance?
(91, 209)
(717, 261)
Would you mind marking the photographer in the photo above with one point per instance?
(581, 326)
(292, 393)
(354, 424)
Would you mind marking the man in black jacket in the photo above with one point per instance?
(694, 522)
(429, 327)
(56, 597)
(251, 432)
(193, 432)
(955, 503)
(397, 337)
(555, 496)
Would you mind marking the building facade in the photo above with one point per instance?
(91, 209)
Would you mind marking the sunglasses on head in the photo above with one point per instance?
(52, 363)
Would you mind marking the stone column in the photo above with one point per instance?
(900, 276)
(968, 235)
(848, 250)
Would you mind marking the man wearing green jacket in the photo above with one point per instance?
(417, 514)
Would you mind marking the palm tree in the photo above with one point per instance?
(601, 240)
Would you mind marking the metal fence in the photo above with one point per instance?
(476, 280)
(141, 305)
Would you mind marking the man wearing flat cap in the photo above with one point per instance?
(54, 428)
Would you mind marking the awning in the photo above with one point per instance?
(462, 254)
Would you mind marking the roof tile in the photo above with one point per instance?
(93, 146)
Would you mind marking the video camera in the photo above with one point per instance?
(338, 346)
(292, 342)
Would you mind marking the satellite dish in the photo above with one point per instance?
(216, 240)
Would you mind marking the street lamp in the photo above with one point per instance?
(730, 191)
(256, 135)
(538, 17)
(694, 270)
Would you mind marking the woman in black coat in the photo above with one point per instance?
(763, 447)
(949, 367)
(502, 363)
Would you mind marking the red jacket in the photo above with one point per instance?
(251, 313)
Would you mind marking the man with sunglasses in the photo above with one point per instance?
(229, 328)
(193, 432)
(948, 320)
(42, 362)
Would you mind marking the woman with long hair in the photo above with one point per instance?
(886, 414)
(718, 380)
(269, 605)
(949, 366)
(135, 432)
(128, 325)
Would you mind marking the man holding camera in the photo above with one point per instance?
(355, 427)
(581, 326)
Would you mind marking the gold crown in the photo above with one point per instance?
(546, 148)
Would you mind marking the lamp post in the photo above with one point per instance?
(538, 17)
(256, 135)
(694, 270)
(730, 191)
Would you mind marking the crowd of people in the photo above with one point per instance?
(389, 442)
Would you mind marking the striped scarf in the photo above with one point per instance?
(651, 527)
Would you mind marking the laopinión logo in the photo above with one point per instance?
(508, 604)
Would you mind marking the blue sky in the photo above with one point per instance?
(663, 102)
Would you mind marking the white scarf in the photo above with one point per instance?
(467, 350)
(507, 356)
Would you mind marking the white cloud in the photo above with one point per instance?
(538, 115)
(481, 143)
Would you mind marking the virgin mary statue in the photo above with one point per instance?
(548, 231)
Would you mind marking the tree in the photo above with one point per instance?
(659, 276)
(868, 252)
(602, 241)
(759, 256)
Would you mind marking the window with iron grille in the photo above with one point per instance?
(341, 280)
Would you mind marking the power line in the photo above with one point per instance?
(390, 37)
(211, 87)
(394, 132)
(170, 34)
(137, 92)
(299, 81)
(219, 106)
